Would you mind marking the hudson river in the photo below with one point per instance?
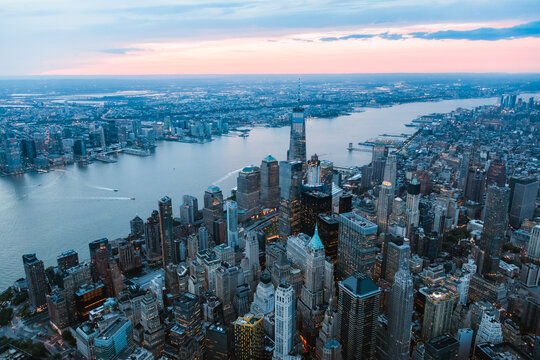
(66, 208)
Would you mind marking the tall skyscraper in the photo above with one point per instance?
(290, 180)
(378, 161)
(390, 170)
(249, 337)
(413, 201)
(284, 320)
(437, 314)
(152, 237)
(496, 173)
(213, 210)
(67, 260)
(270, 183)
(533, 247)
(188, 210)
(35, 280)
(441, 348)
(357, 316)
(313, 203)
(232, 224)
(248, 192)
(400, 313)
(297, 146)
(166, 231)
(203, 237)
(153, 331)
(475, 185)
(356, 245)
(312, 294)
(384, 205)
(252, 252)
(523, 193)
(495, 221)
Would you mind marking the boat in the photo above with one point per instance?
(131, 198)
(244, 135)
(115, 190)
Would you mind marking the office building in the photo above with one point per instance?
(213, 210)
(248, 192)
(232, 224)
(249, 337)
(441, 348)
(533, 247)
(216, 343)
(437, 314)
(464, 338)
(290, 181)
(264, 297)
(328, 228)
(356, 245)
(314, 203)
(413, 201)
(400, 313)
(475, 185)
(153, 330)
(152, 237)
(297, 146)
(384, 205)
(166, 231)
(496, 173)
(495, 222)
(67, 260)
(114, 339)
(269, 183)
(523, 193)
(189, 209)
(358, 307)
(378, 162)
(284, 320)
(395, 254)
(36, 280)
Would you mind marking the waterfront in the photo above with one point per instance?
(67, 208)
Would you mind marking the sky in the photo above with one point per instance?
(136, 37)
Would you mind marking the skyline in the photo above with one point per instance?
(60, 37)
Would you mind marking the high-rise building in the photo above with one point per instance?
(496, 173)
(249, 337)
(437, 314)
(390, 170)
(232, 224)
(314, 203)
(312, 294)
(533, 247)
(216, 341)
(290, 180)
(248, 192)
(356, 245)
(328, 226)
(395, 255)
(115, 338)
(384, 205)
(188, 210)
(136, 226)
(264, 297)
(203, 237)
(495, 221)
(475, 185)
(400, 313)
(187, 315)
(413, 201)
(464, 337)
(166, 231)
(67, 260)
(213, 209)
(441, 348)
(297, 146)
(153, 331)
(270, 183)
(252, 252)
(357, 316)
(378, 161)
(523, 193)
(35, 280)
(152, 237)
(284, 320)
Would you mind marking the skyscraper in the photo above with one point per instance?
(314, 203)
(400, 313)
(152, 237)
(357, 316)
(533, 247)
(269, 183)
(297, 146)
(284, 320)
(390, 170)
(523, 192)
(413, 201)
(495, 221)
(232, 224)
(249, 337)
(395, 254)
(213, 209)
(290, 180)
(384, 205)
(166, 231)
(35, 280)
(496, 173)
(356, 245)
(248, 192)
(475, 184)
(378, 161)
(153, 331)
(437, 314)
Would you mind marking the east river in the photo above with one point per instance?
(66, 208)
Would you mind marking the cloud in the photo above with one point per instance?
(531, 29)
(348, 37)
(120, 51)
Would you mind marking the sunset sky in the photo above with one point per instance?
(135, 37)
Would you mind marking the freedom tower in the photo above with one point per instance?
(297, 147)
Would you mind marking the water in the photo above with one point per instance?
(67, 208)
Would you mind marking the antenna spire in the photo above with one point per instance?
(298, 97)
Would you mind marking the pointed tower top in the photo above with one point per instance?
(315, 241)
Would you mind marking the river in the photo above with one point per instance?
(67, 208)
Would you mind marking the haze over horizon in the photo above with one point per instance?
(61, 37)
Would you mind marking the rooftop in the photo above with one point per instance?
(359, 285)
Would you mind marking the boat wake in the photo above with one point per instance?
(226, 176)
